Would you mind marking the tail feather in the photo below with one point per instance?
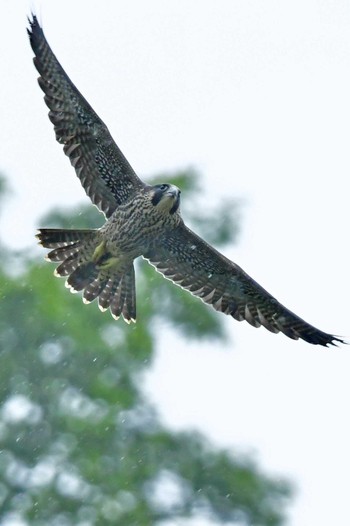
(74, 249)
(110, 289)
(118, 301)
(129, 311)
(62, 253)
(94, 289)
(82, 276)
(124, 302)
(68, 265)
(59, 237)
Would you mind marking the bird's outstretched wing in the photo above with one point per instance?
(104, 172)
(186, 259)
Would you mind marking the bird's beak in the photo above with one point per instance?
(173, 192)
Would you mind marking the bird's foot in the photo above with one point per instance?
(107, 262)
(102, 258)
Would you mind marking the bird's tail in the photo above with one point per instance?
(74, 250)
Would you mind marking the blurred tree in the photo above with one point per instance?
(79, 444)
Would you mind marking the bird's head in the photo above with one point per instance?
(166, 197)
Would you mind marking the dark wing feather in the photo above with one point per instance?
(104, 172)
(184, 258)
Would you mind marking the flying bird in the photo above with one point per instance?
(141, 220)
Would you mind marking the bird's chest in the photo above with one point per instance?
(132, 231)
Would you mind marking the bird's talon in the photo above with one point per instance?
(107, 263)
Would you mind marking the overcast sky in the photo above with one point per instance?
(256, 96)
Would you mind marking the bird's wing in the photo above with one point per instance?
(104, 172)
(187, 260)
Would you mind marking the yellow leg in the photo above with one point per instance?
(99, 251)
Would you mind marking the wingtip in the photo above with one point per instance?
(35, 26)
(32, 20)
(337, 341)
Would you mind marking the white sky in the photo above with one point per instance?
(256, 95)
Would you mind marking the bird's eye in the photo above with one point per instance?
(164, 187)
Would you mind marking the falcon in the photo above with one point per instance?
(141, 220)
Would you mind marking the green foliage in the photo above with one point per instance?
(79, 444)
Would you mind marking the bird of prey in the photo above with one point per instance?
(141, 220)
